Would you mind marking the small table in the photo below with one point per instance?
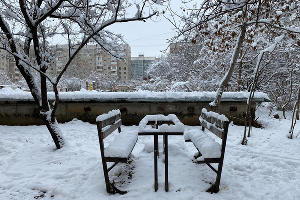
(161, 125)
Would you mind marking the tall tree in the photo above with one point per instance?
(29, 25)
(232, 23)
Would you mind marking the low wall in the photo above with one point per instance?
(14, 112)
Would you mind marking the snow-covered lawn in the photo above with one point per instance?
(267, 168)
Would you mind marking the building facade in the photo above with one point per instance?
(140, 65)
(92, 58)
(8, 66)
(124, 65)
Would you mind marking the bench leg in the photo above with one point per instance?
(166, 162)
(215, 187)
(104, 165)
(197, 155)
(155, 162)
(106, 178)
(110, 187)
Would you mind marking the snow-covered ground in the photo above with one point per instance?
(267, 168)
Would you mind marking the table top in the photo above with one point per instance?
(161, 125)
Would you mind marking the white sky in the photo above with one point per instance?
(148, 38)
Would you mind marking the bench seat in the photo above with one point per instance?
(208, 147)
(122, 145)
(209, 151)
(119, 149)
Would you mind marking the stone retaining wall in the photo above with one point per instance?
(26, 112)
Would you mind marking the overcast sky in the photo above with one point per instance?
(148, 38)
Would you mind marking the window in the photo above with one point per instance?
(99, 68)
(232, 108)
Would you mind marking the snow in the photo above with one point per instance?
(215, 115)
(107, 115)
(177, 127)
(208, 147)
(272, 46)
(84, 95)
(122, 145)
(267, 168)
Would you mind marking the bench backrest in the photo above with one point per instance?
(215, 123)
(108, 123)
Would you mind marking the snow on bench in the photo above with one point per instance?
(108, 115)
(210, 151)
(119, 149)
(122, 145)
(215, 115)
(208, 147)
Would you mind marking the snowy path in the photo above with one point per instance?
(267, 168)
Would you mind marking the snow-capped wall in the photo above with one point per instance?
(8, 94)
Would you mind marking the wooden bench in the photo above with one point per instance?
(119, 149)
(210, 151)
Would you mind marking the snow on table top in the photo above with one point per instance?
(178, 126)
(7, 94)
(107, 115)
(215, 115)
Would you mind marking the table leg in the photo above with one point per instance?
(164, 145)
(166, 162)
(155, 162)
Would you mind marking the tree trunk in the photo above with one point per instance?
(239, 81)
(294, 116)
(54, 131)
(283, 113)
(228, 75)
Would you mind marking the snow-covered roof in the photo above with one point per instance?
(8, 94)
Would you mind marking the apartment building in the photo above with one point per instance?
(8, 66)
(4, 61)
(139, 66)
(92, 58)
(124, 65)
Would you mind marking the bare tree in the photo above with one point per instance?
(29, 25)
(295, 116)
(248, 117)
(224, 19)
(103, 81)
(4, 79)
